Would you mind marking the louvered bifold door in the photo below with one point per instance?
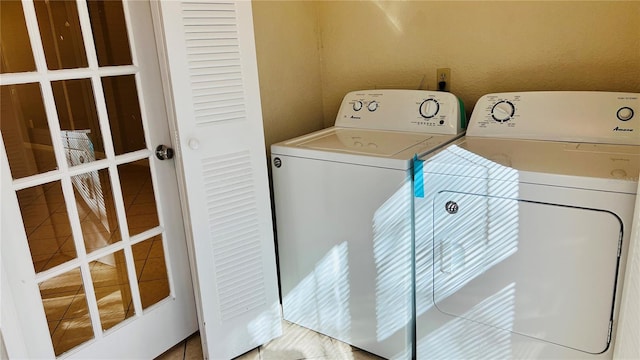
(214, 82)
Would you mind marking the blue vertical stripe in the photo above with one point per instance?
(418, 182)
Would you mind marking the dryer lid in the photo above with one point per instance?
(596, 166)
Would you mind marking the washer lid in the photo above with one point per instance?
(366, 142)
(391, 149)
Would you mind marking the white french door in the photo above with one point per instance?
(93, 254)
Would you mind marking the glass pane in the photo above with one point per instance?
(151, 270)
(139, 199)
(111, 284)
(25, 130)
(109, 33)
(80, 129)
(121, 95)
(61, 35)
(14, 36)
(96, 209)
(65, 305)
(47, 226)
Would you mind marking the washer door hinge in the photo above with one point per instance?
(610, 331)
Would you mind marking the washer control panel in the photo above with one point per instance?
(402, 110)
(578, 116)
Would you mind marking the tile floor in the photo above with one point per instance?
(296, 343)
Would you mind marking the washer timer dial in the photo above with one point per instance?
(503, 111)
(429, 108)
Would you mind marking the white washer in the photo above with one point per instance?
(342, 206)
(523, 228)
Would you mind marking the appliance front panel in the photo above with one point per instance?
(559, 262)
(514, 269)
(344, 249)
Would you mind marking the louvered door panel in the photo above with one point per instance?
(235, 233)
(213, 53)
(214, 82)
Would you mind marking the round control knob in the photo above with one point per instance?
(373, 106)
(429, 108)
(357, 105)
(625, 113)
(502, 111)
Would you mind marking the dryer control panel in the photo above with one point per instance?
(577, 116)
(421, 111)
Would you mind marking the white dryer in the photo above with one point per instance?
(343, 212)
(523, 228)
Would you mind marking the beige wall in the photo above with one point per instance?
(310, 53)
(489, 46)
(287, 38)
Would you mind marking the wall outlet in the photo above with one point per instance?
(443, 77)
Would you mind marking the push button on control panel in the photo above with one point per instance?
(625, 113)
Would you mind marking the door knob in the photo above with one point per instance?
(164, 152)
